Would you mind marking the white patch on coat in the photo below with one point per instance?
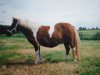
(37, 57)
(33, 26)
(74, 49)
(51, 30)
(67, 57)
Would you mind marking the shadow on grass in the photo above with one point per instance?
(14, 58)
(18, 63)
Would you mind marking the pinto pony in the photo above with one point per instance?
(41, 35)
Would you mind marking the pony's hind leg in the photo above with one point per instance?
(67, 51)
(75, 53)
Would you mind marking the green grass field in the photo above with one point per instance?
(89, 34)
(17, 57)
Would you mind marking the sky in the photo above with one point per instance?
(80, 13)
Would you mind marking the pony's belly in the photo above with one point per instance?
(49, 42)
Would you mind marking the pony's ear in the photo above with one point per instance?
(13, 18)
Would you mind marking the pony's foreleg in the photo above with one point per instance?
(38, 56)
(67, 52)
(37, 49)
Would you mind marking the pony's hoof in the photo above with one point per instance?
(36, 62)
(67, 59)
(75, 60)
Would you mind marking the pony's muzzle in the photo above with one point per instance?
(9, 33)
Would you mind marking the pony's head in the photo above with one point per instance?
(14, 27)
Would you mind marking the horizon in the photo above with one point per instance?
(77, 28)
(84, 13)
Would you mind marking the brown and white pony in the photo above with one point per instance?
(41, 35)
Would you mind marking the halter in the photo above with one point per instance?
(10, 31)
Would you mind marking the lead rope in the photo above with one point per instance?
(13, 28)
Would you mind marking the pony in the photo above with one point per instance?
(47, 36)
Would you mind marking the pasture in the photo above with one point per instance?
(17, 57)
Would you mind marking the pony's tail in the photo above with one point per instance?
(77, 42)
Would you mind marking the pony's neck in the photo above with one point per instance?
(28, 28)
(29, 24)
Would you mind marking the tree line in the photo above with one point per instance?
(3, 29)
(84, 28)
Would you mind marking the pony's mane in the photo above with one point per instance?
(27, 23)
(33, 25)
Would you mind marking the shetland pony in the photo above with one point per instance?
(42, 35)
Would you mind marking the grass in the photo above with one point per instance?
(55, 56)
(15, 42)
(17, 57)
(89, 34)
(90, 66)
(90, 62)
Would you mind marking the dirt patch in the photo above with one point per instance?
(41, 69)
(25, 51)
